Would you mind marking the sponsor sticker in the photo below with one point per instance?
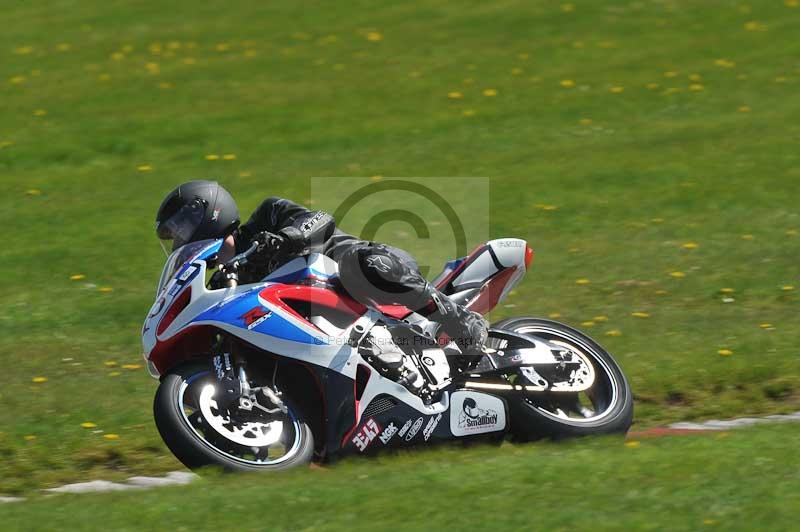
(388, 433)
(476, 413)
(431, 426)
(404, 428)
(414, 429)
(368, 432)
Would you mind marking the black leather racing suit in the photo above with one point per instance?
(372, 273)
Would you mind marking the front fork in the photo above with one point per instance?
(233, 391)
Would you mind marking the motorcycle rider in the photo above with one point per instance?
(371, 272)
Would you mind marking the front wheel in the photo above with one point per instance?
(200, 434)
(605, 408)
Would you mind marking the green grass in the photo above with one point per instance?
(136, 95)
(676, 483)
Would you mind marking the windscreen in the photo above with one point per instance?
(178, 258)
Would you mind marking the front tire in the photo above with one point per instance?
(181, 410)
(605, 408)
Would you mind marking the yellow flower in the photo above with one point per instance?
(189, 60)
(567, 8)
(229, 157)
(39, 380)
(677, 275)
(468, 112)
(791, 232)
(222, 47)
(589, 323)
(131, 366)
(709, 522)
(111, 436)
(110, 363)
(105, 289)
(88, 425)
(640, 314)
(600, 318)
(791, 3)
(490, 92)
(376, 178)
(670, 74)
(33, 192)
(77, 277)
(747, 237)
(696, 87)
(114, 374)
(39, 112)
(725, 352)
(554, 315)
(374, 36)
(516, 71)
(690, 245)
(766, 326)
(744, 109)
(614, 332)
(117, 56)
(652, 86)
(755, 26)
(585, 121)
(29, 437)
(523, 56)
(16, 80)
(632, 444)
(212, 157)
(165, 85)
(724, 63)
(787, 288)
(104, 77)
(245, 173)
(6, 143)
(727, 290)
(616, 89)
(695, 77)
(583, 281)
(661, 292)
(250, 53)
(567, 83)
(455, 95)
(657, 220)
(63, 47)
(545, 207)
(23, 50)
(152, 68)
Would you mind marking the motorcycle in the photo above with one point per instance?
(275, 374)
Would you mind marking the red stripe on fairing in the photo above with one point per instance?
(397, 312)
(315, 295)
(491, 291)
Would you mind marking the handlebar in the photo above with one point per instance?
(231, 268)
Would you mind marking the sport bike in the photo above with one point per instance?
(272, 375)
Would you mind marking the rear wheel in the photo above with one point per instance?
(200, 434)
(604, 408)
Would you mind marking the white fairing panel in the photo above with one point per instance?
(476, 413)
(496, 256)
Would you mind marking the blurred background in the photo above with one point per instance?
(647, 150)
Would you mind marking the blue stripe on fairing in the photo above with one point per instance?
(277, 326)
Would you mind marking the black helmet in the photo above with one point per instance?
(197, 210)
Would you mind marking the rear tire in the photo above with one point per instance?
(530, 419)
(194, 451)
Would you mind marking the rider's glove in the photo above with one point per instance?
(269, 243)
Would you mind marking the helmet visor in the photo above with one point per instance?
(182, 225)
